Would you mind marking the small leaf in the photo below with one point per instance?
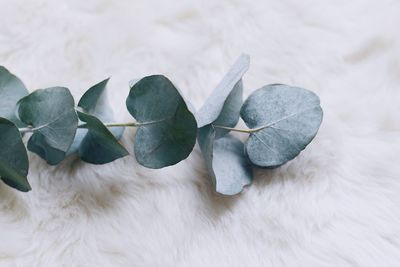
(168, 129)
(11, 90)
(52, 114)
(284, 119)
(94, 102)
(230, 84)
(226, 161)
(13, 157)
(99, 146)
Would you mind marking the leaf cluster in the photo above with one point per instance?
(282, 120)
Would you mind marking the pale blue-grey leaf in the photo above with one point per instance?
(284, 120)
(226, 161)
(224, 154)
(213, 106)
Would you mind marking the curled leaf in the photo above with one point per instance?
(230, 84)
(52, 115)
(283, 120)
(14, 162)
(167, 131)
(226, 161)
(11, 90)
(224, 154)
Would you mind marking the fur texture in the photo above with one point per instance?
(337, 204)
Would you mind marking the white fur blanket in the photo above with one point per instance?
(337, 204)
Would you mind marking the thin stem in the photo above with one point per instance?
(109, 125)
(31, 129)
(26, 129)
(234, 129)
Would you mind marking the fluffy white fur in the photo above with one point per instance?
(337, 204)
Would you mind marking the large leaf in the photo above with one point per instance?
(99, 146)
(52, 115)
(13, 157)
(284, 120)
(11, 90)
(94, 102)
(230, 84)
(226, 161)
(168, 129)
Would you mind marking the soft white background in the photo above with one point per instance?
(337, 204)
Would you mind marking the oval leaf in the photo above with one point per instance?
(99, 146)
(284, 120)
(52, 115)
(168, 129)
(94, 102)
(11, 90)
(13, 157)
(226, 161)
(214, 105)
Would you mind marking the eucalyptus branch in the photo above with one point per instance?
(167, 128)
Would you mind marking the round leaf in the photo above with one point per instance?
(284, 120)
(99, 146)
(168, 129)
(52, 115)
(13, 157)
(226, 161)
(11, 90)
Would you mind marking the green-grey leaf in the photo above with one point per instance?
(94, 102)
(214, 105)
(226, 161)
(99, 146)
(168, 129)
(14, 162)
(52, 115)
(39, 145)
(11, 90)
(284, 120)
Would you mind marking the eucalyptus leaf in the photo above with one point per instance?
(224, 154)
(167, 131)
(11, 90)
(94, 102)
(99, 146)
(14, 162)
(214, 105)
(226, 161)
(283, 120)
(52, 115)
